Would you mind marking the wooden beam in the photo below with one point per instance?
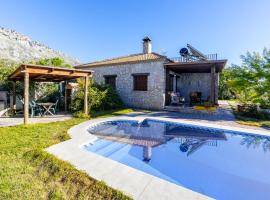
(86, 95)
(26, 97)
(57, 72)
(45, 73)
(17, 72)
(39, 77)
(14, 96)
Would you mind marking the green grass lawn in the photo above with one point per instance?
(28, 172)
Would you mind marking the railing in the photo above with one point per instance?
(194, 58)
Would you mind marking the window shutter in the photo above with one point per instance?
(110, 80)
(140, 82)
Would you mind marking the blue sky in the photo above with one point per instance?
(98, 29)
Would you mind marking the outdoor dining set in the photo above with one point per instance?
(42, 108)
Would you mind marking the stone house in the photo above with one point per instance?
(146, 80)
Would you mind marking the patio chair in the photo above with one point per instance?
(36, 108)
(176, 99)
(53, 109)
(33, 107)
(195, 98)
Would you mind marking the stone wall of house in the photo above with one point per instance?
(193, 82)
(152, 99)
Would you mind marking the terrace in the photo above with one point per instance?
(184, 59)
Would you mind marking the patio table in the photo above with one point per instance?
(47, 107)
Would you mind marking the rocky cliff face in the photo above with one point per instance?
(19, 48)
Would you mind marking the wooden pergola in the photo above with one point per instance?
(39, 73)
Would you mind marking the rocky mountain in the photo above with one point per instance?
(20, 48)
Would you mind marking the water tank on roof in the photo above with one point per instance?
(184, 52)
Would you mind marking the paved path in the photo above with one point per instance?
(223, 116)
(12, 121)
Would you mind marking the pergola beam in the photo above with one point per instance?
(55, 72)
(38, 73)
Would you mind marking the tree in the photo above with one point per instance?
(49, 91)
(6, 68)
(56, 62)
(225, 92)
(250, 81)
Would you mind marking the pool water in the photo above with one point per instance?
(218, 163)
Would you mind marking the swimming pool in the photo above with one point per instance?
(218, 163)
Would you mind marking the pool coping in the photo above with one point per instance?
(133, 182)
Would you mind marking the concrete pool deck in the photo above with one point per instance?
(14, 121)
(133, 182)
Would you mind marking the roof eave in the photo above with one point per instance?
(224, 61)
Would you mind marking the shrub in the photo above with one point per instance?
(250, 81)
(100, 97)
(47, 92)
(251, 110)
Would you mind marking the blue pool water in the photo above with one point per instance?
(218, 163)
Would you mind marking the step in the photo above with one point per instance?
(99, 144)
(108, 148)
(124, 151)
(115, 150)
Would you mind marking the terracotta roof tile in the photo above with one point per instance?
(133, 58)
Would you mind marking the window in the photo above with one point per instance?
(140, 82)
(110, 80)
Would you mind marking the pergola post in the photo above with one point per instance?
(86, 95)
(14, 96)
(26, 97)
(65, 96)
(213, 84)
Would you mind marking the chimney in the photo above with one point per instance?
(147, 46)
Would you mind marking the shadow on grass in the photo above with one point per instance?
(110, 113)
